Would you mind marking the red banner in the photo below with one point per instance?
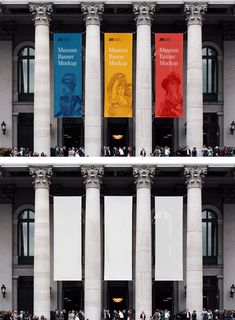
(169, 75)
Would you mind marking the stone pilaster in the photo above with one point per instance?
(41, 13)
(143, 258)
(41, 180)
(194, 13)
(194, 268)
(92, 13)
(143, 14)
(93, 278)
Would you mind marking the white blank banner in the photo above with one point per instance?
(67, 238)
(118, 238)
(169, 238)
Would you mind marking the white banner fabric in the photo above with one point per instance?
(118, 238)
(67, 239)
(169, 238)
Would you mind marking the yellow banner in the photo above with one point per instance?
(118, 75)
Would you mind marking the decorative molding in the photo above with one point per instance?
(41, 176)
(228, 30)
(194, 12)
(92, 12)
(92, 176)
(41, 13)
(144, 13)
(143, 176)
(7, 29)
(228, 192)
(194, 176)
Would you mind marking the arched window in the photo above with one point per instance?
(210, 74)
(26, 74)
(210, 236)
(26, 237)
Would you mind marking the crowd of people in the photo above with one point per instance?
(122, 152)
(123, 314)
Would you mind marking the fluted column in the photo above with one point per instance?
(143, 108)
(194, 15)
(92, 289)
(93, 112)
(143, 258)
(42, 17)
(41, 180)
(194, 267)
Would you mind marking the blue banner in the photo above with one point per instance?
(68, 75)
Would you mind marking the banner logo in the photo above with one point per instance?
(169, 75)
(67, 75)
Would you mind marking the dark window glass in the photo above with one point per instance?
(209, 236)
(210, 74)
(26, 236)
(26, 74)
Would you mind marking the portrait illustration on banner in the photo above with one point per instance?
(70, 102)
(119, 95)
(172, 104)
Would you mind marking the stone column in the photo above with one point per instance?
(194, 14)
(41, 17)
(194, 267)
(93, 112)
(41, 180)
(143, 109)
(92, 290)
(143, 259)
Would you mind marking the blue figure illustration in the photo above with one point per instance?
(70, 103)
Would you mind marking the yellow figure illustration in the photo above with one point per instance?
(119, 96)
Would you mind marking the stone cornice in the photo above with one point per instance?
(92, 12)
(41, 13)
(92, 176)
(143, 176)
(194, 12)
(41, 176)
(194, 176)
(144, 13)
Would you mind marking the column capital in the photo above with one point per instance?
(143, 176)
(144, 12)
(41, 13)
(92, 12)
(194, 176)
(92, 176)
(41, 176)
(194, 12)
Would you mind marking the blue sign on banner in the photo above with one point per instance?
(68, 75)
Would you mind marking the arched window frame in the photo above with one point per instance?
(210, 61)
(210, 253)
(26, 94)
(16, 52)
(25, 258)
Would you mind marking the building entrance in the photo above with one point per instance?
(210, 130)
(25, 130)
(163, 296)
(210, 293)
(72, 296)
(163, 130)
(25, 294)
(73, 133)
(117, 296)
(118, 133)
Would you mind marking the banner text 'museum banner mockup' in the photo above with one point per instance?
(169, 75)
(67, 75)
(118, 75)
